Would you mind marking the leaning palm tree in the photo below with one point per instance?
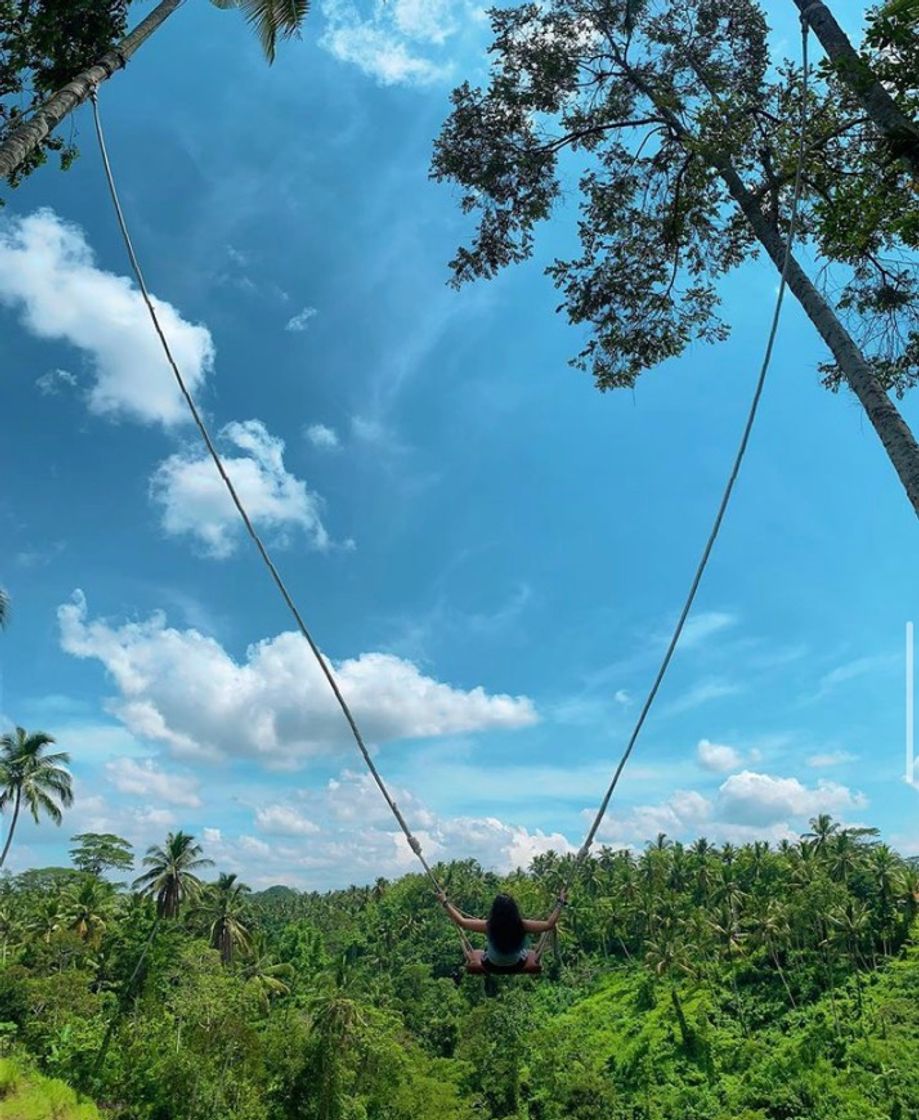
(271, 19)
(28, 774)
(222, 907)
(170, 878)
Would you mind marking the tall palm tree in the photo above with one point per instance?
(28, 774)
(271, 19)
(171, 879)
(770, 927)
(222, 906)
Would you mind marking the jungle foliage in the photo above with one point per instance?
(698, 981)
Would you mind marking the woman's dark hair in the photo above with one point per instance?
(505, 925)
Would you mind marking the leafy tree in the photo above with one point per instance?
(170, 878)
(901, 134)
(28, 773)
(98, 852)
(68, 42)
(222, 907)
(42, 44)
(683, 135)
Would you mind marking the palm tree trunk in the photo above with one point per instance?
(9, 835)
(775, 961)
(884, 112)
(893, 431)
(24, 139)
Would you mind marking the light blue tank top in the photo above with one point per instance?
(504, 960)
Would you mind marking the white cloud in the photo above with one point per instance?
(716, 756)
(761, 799)
(55, 381)
(322, 436)
(703, 692)
(284, 820)
(747, 806)
(48, 274)
(400, 42)
(194, 500)
(700, 627)
(852, 670)
(621, 696)
(181, 688)
(145, 779)
(830, 758)
(300, 321)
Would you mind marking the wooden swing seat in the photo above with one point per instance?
(476, 965)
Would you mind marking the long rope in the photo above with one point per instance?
(413, 842)
(725, 498)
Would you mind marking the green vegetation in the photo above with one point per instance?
(26, 1095)
(705, 981)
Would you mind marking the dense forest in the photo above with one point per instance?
(690, 981)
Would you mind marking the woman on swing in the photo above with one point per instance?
(505, 932)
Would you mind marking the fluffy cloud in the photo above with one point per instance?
(284, 820)
(320, 435)
(716, 756)
(194, 501)
(747, 806)
(48, 274)
(181, 688)
(760, 799)
(299, 322)
(357, 838)
(399, 42)
(145, 779)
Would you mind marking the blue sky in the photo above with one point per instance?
(490, 550)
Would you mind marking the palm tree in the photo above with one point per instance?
(28, 774)
(88, 908)
(170, 878)
(222, 906)
(770, 926)
(46, 918)
(271, 19)
(666, 956)
(822, 828)
(266, 974)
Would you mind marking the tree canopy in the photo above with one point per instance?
(637, 110)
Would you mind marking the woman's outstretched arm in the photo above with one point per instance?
(474, 925)
(536, 926)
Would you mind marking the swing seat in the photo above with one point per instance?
(476, 965)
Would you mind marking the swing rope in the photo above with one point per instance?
(413, 842)
(585, 848)
(326, 669)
